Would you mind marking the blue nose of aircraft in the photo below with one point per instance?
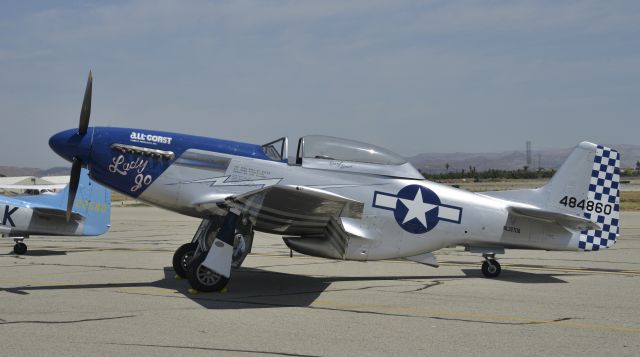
(69, 144)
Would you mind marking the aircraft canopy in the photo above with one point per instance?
(331, 153)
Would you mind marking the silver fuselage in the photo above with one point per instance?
(483, 221)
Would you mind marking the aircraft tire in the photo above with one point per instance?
(203, 279)
(182, 258)
(20, 248)
(491, 270)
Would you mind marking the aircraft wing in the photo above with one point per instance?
(33, 187)
(566, 220)
(295, 210)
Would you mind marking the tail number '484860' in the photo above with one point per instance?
(587, 205)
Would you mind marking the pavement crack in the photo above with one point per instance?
(4, 322)
(427, 286)
(273, 353)
(318, 291)
(105, 267)
(503, 323)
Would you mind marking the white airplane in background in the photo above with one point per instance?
(340, 199)
(31, 189)
(51, 214)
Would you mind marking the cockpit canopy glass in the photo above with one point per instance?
(277, 149)
(332, 148)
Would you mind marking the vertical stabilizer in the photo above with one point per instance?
(92, 201)
(588, 185)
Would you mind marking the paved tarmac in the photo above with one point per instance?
(117, 295)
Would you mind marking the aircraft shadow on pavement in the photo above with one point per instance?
(38, 253)
(258, 288)
(515, 276)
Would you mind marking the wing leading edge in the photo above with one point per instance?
(295, 210)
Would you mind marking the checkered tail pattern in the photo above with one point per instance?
(603, 201)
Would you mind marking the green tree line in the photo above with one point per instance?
(524, 173)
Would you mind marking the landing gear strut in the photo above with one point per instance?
(210, 269)
(188, 259)
(490, 267)
(183, 255)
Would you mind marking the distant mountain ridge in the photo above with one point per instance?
(434, 163)
(11, 171)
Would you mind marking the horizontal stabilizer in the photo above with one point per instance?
(569, 221)
(58, 213)
(33, 187)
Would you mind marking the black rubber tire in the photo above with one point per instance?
(20, 248)
(182, 258)
(203, 279)
(493, 270)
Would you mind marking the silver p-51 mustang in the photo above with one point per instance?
(339, 199)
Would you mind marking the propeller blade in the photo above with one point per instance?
(85, 112)
(74, 180)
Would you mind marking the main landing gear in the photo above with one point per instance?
(182, 258)
(20, 247)
(232, 237)
(490, 267)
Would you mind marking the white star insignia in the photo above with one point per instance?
(417, 208)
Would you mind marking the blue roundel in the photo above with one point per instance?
(417, 209)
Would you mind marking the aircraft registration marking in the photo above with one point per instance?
(586, 205)
(90, 205)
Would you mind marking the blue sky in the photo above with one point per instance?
(413, 76)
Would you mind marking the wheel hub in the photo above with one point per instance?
(206, 276)
(186, 258)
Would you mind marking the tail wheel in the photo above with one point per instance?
(202, 278)
(182, 258)
(491, 268)
(20, 248)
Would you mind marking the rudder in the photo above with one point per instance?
(93, 201)
(588, 185)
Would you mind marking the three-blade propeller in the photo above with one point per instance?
(85, 114)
